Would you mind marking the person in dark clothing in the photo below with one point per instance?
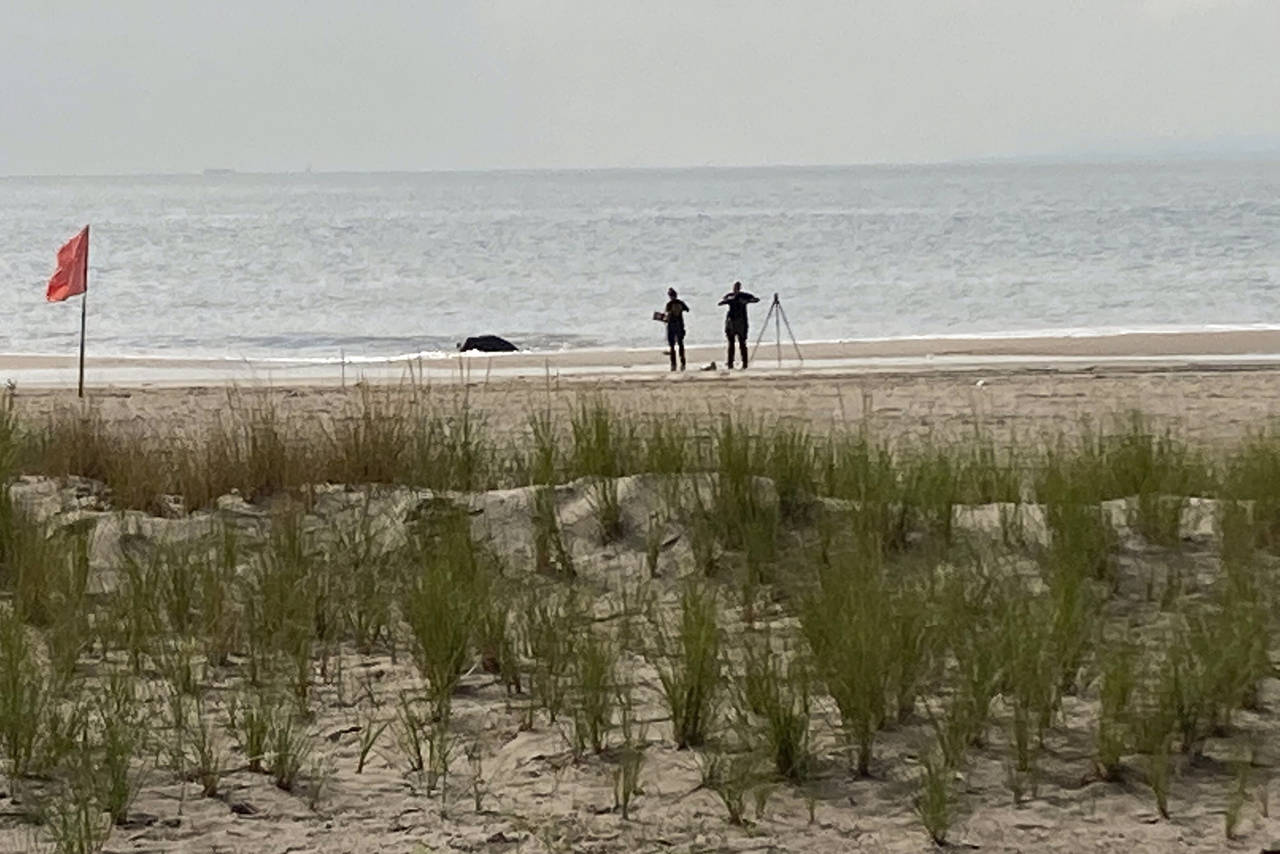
(735, 322)
(675, 312)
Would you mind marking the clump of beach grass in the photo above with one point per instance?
(1250, 473)
(846, 622)
(551, 555)
(913, 638)
(934, 802)
(1115, 696)
(864, 471)
(289, 746)
(975, 600)
(26, 696)
(631, 754)
(75, 823)
(602, 493)
(792, 464)
(668, 446)
(732, 777)
(208, 753)
(1159, 769)
(280, 603)
(931, 487)
(689, 665)
(444, 604)
(595, 677)
(1161, 471)
(551, 622)
(772, 704)
(604, 442)
(1031, 677)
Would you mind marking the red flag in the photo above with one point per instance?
(72, 275)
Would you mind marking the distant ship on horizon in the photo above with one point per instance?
(217, 172)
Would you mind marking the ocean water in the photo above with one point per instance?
(374, 266)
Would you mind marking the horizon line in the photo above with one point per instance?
(1083, 158)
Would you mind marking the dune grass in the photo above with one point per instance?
(688, 660)
(895, 617)
(846, 621)
(772, 706)
(595, 678)
(444, 598)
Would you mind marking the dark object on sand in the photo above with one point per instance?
(488, 344)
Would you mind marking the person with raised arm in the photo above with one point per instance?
(735, 322)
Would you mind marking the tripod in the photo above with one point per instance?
(779, 318)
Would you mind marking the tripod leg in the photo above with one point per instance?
(777, 332)
(790, 334)
(764, 327)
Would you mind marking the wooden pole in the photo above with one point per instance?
(84, 302)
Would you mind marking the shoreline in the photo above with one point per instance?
(1219, 347)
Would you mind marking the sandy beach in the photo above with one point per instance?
(1210, 385)
(532, 791)
(1171, 349)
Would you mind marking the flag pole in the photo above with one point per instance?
(84, 303)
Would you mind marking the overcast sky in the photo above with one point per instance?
(91, 86)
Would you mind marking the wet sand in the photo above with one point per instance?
(1176, 349)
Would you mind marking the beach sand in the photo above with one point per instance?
(1240, 347)
(1213, 384)
(1211, 387)
(536, 797)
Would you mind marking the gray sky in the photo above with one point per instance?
(91, 86)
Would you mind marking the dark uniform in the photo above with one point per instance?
(735, 322)
(675, 329)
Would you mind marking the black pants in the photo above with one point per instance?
(738, 332)
(675, 340)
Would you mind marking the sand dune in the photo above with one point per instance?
(535, 796)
